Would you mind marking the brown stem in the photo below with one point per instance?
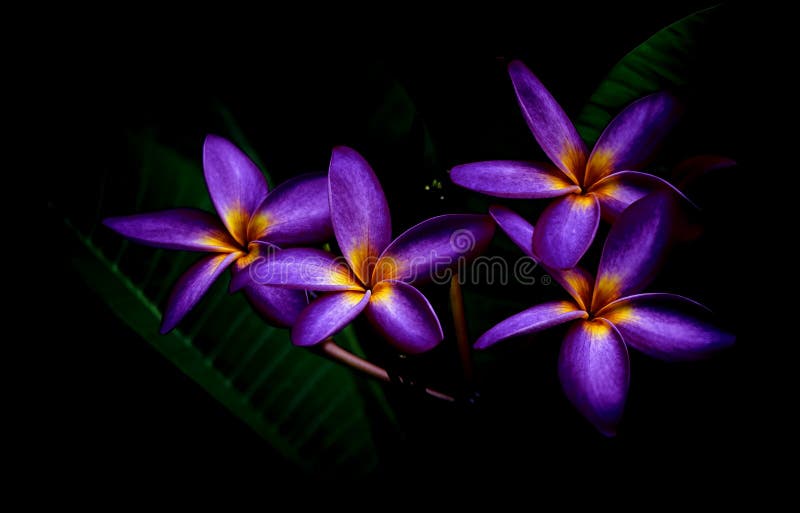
(460, 321)
(341, 355)
(344, 356)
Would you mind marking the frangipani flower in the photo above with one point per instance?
(377, 273)
(252, 222)
(610, 313)
(585, 184)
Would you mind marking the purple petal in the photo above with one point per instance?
(634, 249)
(667, 326)
(617, 191)
(301, 268)
(279, 306)
(512, 179)
(236, 185)
(630, 140)
(428, 249)
(549, 123)
(404, 316)
(359, 211)
(565, 230)
(516, 227)
(180, 228)
(594, 370)
(327, 315)
(688, 171)
(192, 285)
(295, 213)
(577, 282)
(534, 319)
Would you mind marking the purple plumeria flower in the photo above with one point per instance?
(254, 222)
(377, 274)
(610, 312)
(606, 181)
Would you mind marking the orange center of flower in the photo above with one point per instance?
(253, 252)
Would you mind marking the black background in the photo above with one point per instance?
(123, 406)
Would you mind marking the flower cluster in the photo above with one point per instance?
(272, 240)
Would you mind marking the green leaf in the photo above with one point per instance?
(396, 121)
(663, 62)
(394, 116)
(309, 409)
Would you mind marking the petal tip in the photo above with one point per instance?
(422, 348)
(665, 100)
(111, 223)
(558, 261)
(486, 340)
(427, 345)
(345, 151)
(607, 431)
(212, 140)
(725, 341)
(481, 344)
(494, 209)
(456, 173)
(516, 66)
(167, 325)
(301, 341)
(499, 212)
(561, 264)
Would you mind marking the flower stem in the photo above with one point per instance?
(460, 321)
(343, 356)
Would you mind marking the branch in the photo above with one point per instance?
(343, 356)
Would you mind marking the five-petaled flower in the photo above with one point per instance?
(609, 312)
(254, 222)
(607, 180)
(377, 273)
